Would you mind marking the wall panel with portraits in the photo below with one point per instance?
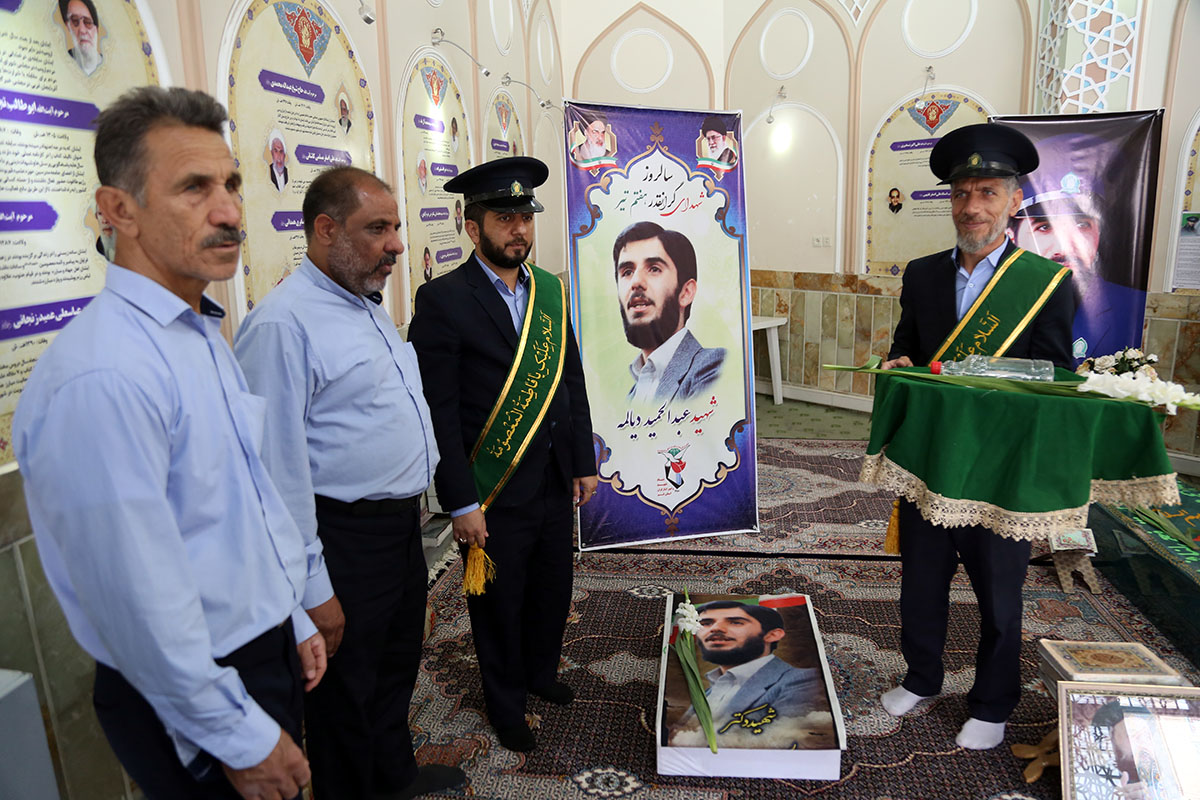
(298, 104)
(60, 63)
(433, 147)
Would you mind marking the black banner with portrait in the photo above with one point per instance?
(1090, 206)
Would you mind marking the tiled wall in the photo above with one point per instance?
(842, 319)
(34, 638)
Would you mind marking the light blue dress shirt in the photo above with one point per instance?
(517, 301)
(968, 287)
(160, 531)
(348, 417)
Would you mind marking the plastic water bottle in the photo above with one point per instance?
(1019, 369)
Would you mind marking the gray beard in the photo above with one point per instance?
(109, 243)
(348, 270)
(969, 244)
(87, 57)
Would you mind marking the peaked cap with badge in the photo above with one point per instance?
(987, 150)
(1069, 180)
(505, 185)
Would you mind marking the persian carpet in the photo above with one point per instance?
(602, 745)
(810, 503)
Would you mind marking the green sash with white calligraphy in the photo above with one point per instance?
(1013, 297)
(530, 386)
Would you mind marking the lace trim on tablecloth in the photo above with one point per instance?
(949, 512)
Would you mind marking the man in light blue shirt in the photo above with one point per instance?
(350, 445)
(168, 547)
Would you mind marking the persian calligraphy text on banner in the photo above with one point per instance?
(298, 104)
(56, 75)
(660, 300)
(434, 147)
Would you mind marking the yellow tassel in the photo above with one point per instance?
(891, 543)
(479, 570)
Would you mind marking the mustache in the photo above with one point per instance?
(226, 234)
(389, 259)
(638, 294)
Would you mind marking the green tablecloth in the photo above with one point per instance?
(1023, 465)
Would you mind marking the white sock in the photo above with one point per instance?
(979, 735)
(900, 701)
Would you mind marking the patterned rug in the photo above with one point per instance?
(809, 503)
(602, 746)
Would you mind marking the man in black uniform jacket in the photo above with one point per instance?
(981, 163)
(466, 330)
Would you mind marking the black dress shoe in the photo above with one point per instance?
(430, 778)
(518, 738)
(558, 693)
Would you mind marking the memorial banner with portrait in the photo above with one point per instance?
(762, 666)
(1090, 206)
(298, 104)
(434, 147)
(660, 303)
(503, 135)
(61, 62)
(908, 213)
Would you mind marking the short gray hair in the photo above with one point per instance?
(121, 130)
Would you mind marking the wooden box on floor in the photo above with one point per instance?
(781, 721)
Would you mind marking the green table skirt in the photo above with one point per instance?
(1023, 465)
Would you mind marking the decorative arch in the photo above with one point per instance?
(840, 155)
(1186, 174)
(667, 22)
(849, 195)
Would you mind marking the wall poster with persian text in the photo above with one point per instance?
(60, 63)
(908, 213)
(503, 135)
(298, 104)
(434, 147)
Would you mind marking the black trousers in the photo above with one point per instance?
(270, 670)
(357, 717)
(996, 565)
(518, 622)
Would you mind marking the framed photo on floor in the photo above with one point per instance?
(1128, 741)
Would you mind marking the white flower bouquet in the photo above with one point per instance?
(1129, 374)
(687, 625)
(1129, 360)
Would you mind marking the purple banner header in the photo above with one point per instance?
(931, 194)
(448, 170)
(32, 320)
(914, 144)
(430, 214)
(10, 5)
(321, 155)
(287, 221)
(429, 123)
(27, 216)
(291, 87)
(453, 254)
(500, 145)
(43, 110)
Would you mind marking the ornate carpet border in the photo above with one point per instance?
(949, 512)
